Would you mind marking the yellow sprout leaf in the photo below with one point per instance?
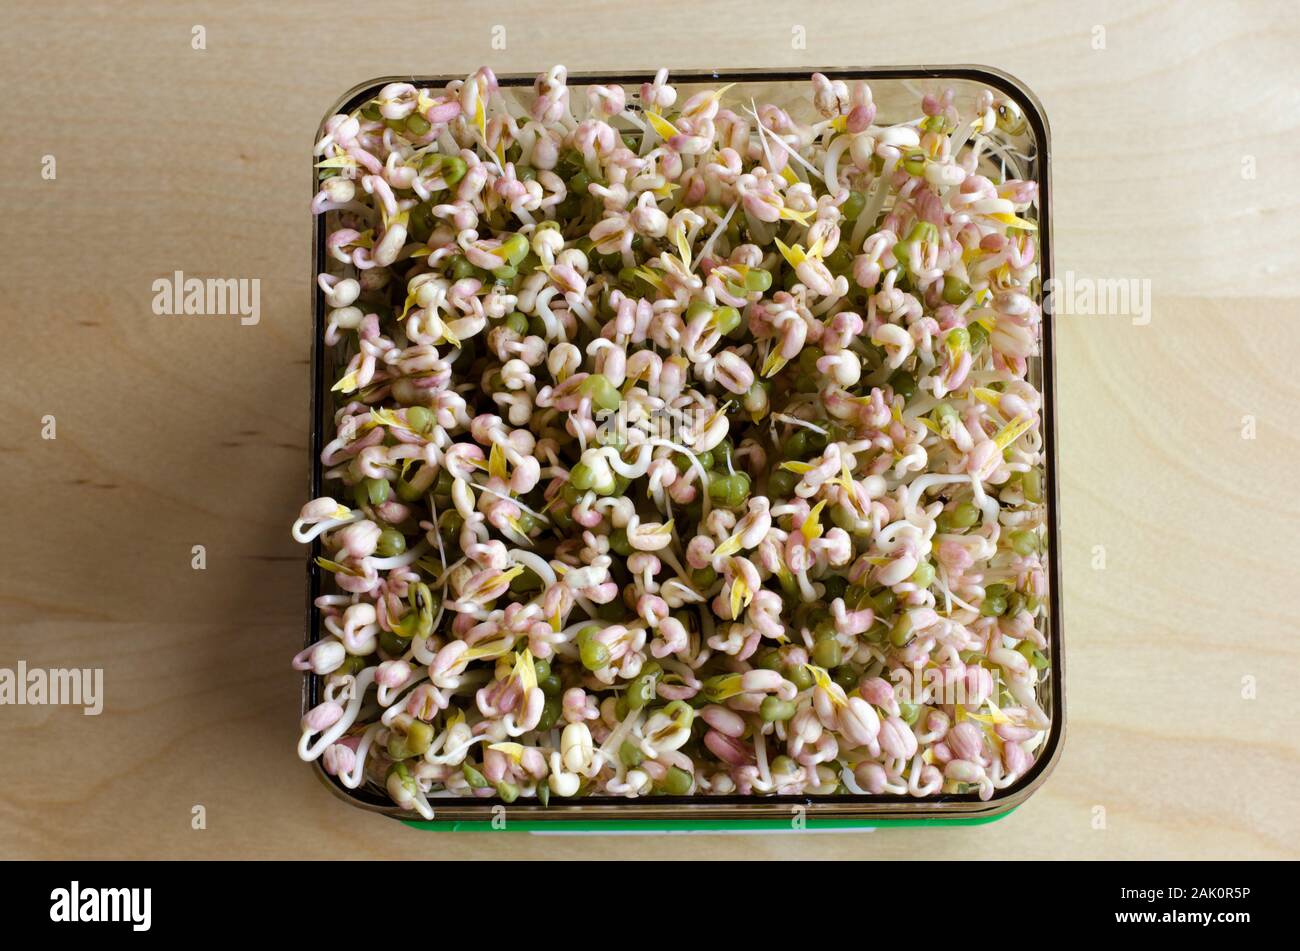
(740, 596)
(823, 679)
(820, 675)
(335, 567)
(788, 174)
(448, 335)
(347, 384)
(489, 583)
(789, 214)
(995, 717)
(798, 468)
(846, 476)
(1014, 221)
(342, 512)
(728, 547)
(724, 688)
(480, 117)
(387, 417)
(987, 396)
(684, 249)
(514, 750)
(997, 713)
(497, 462)
(519, 530)
(402, 218)
(716, 95)
(840, 123)
(713, 417)
(665, 190)
(774, 363)
(793, 256)
(996, 740)
(812, 525)
(490, 649)
(410, 299)
(512, 573)
(662, 126)
(1012, 431)
(338, 161)
(525, 670)
(650, 277)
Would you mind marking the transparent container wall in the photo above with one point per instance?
(1018, 150)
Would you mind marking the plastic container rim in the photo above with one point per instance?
(723, 812)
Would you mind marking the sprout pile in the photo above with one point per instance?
(679, 447)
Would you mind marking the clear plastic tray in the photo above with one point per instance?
(896, 91)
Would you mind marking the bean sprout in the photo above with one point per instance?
(686, 447)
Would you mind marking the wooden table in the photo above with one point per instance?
(176, 432)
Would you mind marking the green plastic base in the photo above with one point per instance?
(692, 825)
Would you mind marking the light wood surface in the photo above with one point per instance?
(175, 432)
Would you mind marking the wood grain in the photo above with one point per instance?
(174, 432)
